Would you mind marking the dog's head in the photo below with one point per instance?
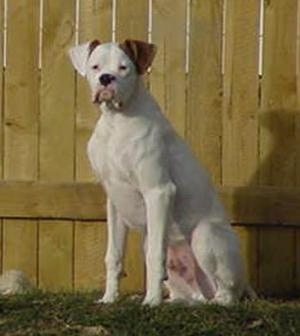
(112, 69)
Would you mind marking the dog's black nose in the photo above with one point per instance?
(106, 79)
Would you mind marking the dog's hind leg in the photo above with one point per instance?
(216, 249)
(181, 272)
(186, 279)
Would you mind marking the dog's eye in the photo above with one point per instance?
(95, 67)
(122, 67)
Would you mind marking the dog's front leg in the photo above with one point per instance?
(114, 253)
(159, 203)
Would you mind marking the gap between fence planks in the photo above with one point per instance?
(86, 202)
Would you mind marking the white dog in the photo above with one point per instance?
(154, 183)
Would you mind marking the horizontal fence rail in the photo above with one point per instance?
(86, 201)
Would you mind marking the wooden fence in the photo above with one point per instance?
(231, 89)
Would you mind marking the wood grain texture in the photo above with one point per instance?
(52, 200)
(240, 124)
(134, 268)
(20, 247)
(86, 201)
(261, 205)
(276, 247)
(1, 113)
(21, 104)
(1, 90)
(21, 109)
(55, 255)
(57, 94)
(89, 253)
(57, 124)
(168, 78)
(277, 143)
(240, 114)
(279, 95)
(298, 151)
(203, 113)
(132, 20)
(249, 247)
(297, 121)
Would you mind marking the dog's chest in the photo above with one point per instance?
(109, 157)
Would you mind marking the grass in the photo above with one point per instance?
(76, 314)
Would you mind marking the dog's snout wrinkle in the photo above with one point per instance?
(106, 79)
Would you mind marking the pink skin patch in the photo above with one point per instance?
(182, 262)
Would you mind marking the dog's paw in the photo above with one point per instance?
(111, 298)
(224, 299)
(152, 301)
(199, 298)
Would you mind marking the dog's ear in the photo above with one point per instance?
(80, 54)
(141, 53)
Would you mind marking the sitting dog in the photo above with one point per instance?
(153, 182)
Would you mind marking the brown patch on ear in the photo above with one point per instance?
(141, 53)
(92, 46)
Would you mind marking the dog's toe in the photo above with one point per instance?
(152, 301)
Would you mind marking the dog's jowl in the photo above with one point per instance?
(154, 183)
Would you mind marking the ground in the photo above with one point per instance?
(76, 314)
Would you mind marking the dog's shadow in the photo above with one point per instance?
(277, 166)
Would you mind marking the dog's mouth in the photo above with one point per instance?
(107, 96)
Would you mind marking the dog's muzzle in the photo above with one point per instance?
(106, 92)
(107, 95)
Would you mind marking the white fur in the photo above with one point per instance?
(153, 182)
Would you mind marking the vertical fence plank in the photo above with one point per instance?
(20, 127)
(55, 255)
(277, 138)
(240, 128)
(57, 93)
(20, 247)
(249, 247)
(90, 242)
(132, 20)
(1, 114)
(240, 110)
(56, 138)
(204, 120)
(21, 91)
(279, 94)
(95, 21)
(277, 247)
(167, 80)
(298, 147)
(133, 264)
(1, 88)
